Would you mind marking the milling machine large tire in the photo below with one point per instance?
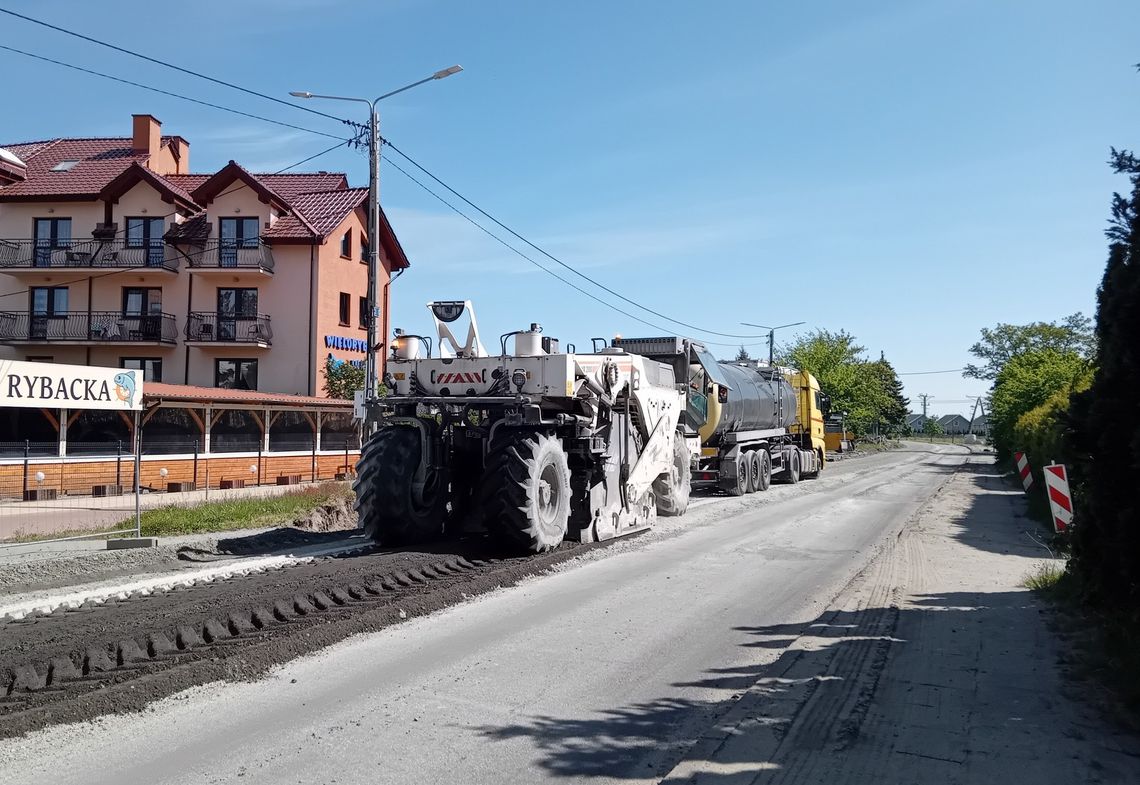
(672, 490)
(387, 505)
(526, 491)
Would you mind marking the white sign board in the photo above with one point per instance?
(1060, 499)
(54, 386)
(358, 405)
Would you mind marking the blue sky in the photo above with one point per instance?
(908, 171)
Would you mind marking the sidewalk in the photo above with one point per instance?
(933, 666)
(87, 512)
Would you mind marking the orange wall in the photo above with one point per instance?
(336, 274)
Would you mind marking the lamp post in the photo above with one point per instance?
(374, 211)
(772, 337)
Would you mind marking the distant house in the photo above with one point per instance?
(954, 424)
(914, 422)
(980, 425)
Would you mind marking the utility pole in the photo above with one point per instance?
(370, 363)
(772, 337)
(924, 398)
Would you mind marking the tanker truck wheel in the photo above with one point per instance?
(765, 476)
(754, 470)
(739, 485)
(792, 473)
(672, 489)
(389, 509)
(526, 495)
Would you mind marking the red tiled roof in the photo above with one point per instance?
(194, 231)
(188, 182)
(292, 184)
(324, 211)
(100, 162)
(136, 173)
(161, 391)
(219, 182)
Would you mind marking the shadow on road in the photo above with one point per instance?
(917, 686)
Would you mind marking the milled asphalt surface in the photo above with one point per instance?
(606, 671)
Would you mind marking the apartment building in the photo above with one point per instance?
(113, 252)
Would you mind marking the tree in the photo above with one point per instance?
(1005, 341)
(1106, 422)
(1025, 382)
(743, 356)
(342, 379)
(932, 427)
(894, 403)
(838, 362)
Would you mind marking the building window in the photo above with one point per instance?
(150, 366)
(363, 311)
(237, 310)
(345, 308)
(346, 245)
(50, 234)
(235, 374)
(48, 305)
(142, 310)
(147, 233)
(138, 300)
(49, 300)
(236, 233)
(364, 250)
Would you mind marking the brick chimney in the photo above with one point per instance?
(146, 138)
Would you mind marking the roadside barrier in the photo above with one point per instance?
(1023, 470)
(1060, 499)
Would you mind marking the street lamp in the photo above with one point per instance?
(772, 337)
(374, 209)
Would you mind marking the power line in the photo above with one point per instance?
(546, 270)
(555, 259)
(165, 64)
(406, 157)
(165, 92)
(928, 373)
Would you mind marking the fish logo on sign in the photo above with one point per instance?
(125, 388)
(1060, 499)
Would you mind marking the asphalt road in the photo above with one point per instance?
(606, 671)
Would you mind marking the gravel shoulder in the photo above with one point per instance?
(934, 666)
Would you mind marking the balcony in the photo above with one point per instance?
(83, 328)
(109, 255)
(229, 256)
(207, 328)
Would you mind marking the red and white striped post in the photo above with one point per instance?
(1023, 470)
(1060, 499)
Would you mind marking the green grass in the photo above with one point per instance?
(247, 513)
(1047, 578)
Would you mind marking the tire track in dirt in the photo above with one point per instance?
(80, 663)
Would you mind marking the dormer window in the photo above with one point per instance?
(65, 166)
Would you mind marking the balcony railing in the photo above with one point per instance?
(97, 326)
(90, 254)
(211, 327)
(230, 255)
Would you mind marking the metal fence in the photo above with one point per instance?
(91, 491)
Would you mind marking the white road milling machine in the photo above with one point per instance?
(534, 446)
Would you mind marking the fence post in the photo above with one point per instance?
(259, 448)
(27, 449)
(119, 464)
(138, 474)
(346, 457)
(195, 464)
(313, 468)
